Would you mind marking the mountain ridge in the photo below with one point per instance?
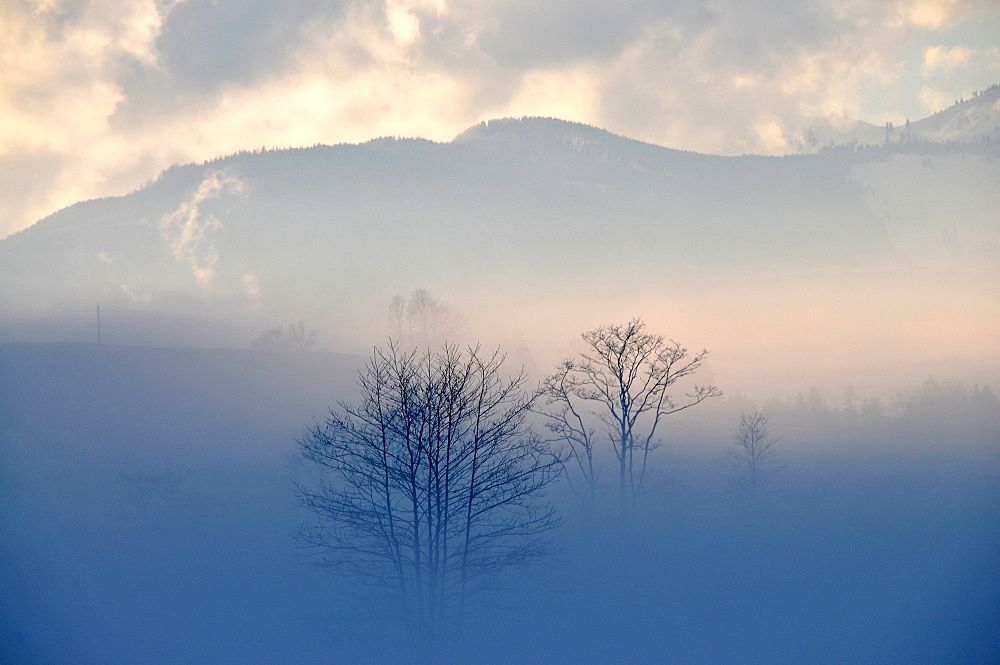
(973, 120)
(259, 238)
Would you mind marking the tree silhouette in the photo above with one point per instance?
(618, 391)
(423, 321)
(434, 483)
(752, 452)
(295, 337)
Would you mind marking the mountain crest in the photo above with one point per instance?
(538, 131)
(976, 119)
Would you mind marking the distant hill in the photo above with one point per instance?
(808, 134)
(278, 234)
(211, 254)
(973, 120)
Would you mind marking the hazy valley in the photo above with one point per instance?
(150, 413)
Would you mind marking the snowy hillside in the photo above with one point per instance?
(529, 228)
(973, 120)
(809, 134)
(271, 235)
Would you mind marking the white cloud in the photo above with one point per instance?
(930, 13)
(138, 298)
(190, 231)
(251, 285)
(572, 93)
(771, 136)
(98, 100)
(60, 87)
(943, 60)
(935, 100)
(404, 20)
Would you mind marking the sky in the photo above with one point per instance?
(97, 97)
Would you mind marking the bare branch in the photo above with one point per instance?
(622, 381)
(435, 482)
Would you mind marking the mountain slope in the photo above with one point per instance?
(846, 265)
(973, 120)
(508, 204)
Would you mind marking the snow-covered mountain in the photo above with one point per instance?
(531, 227)
(508, 204)
(973, 120)
(807, 134)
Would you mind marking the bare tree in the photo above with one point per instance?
(435, 484)
(422, 320)
(398, 326)
(295, 336)
(618, 391)
(570, 424)
(752, 452)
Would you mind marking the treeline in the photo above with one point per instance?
(932, 401)
(910, 143)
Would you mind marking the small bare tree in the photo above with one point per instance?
(618, 391)
(752, 452)
(295, 337)
(570, 423)
(422, 320)
(434, 484)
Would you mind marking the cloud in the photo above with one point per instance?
(141, 299)
(61, 71)
(98, 96)
(940, 59)
(570, 93)
(251, 285)
(935, 100)
(190, 230)
(930, 13)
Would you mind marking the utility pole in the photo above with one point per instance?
(98, 324)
